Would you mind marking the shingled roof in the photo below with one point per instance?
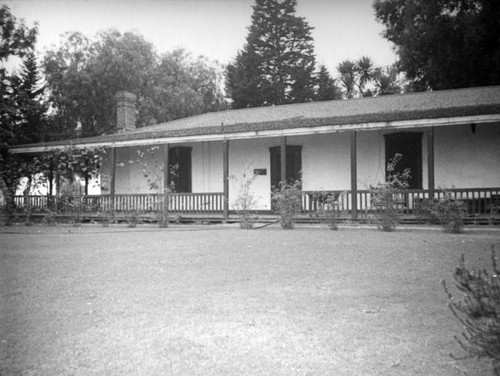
(444, 107)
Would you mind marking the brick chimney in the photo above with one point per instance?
(125, 111)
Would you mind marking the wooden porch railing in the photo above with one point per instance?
(478, 201)
(177, 202)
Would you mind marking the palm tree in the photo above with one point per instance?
(347, 71)
(385, 80)
(365, 74)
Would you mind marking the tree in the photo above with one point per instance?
(327, 89)
(182, 86)
(17, 95)
(84, 75)
(365, 71)
(347, 77)
(386, 81)
(276, 65)
(31, 104)
(444, 44)
(361, 78)
(355, 75)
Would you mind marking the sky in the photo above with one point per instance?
(343, 29)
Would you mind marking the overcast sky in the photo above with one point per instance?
(344, 29)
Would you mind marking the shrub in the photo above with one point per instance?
(29, 216)
(446, 211)
(245, 201)
(132, 219)
(479, 310)
(328, 207)
(106, 218)
(49, 218)
(387, 197)
(288, 202)
(163, 219)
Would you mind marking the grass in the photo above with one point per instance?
(223, 301)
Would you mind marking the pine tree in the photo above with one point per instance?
(31, 104)
(276, 65)
(327, 90)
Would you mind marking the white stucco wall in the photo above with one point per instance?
(467, 160)
(371, 161)
(207, 167)
(462, 160)
(325, 161)
(245, 156)
(129, 173)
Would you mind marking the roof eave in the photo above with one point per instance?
(108, 142)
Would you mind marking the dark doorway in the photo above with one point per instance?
(293, 164)
(180, 164)
(409, 145)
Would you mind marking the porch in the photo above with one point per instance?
(482, 205)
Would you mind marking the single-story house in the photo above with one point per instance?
(449, 139)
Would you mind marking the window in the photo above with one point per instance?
(409, 145)
(180, 157)
(293, 164)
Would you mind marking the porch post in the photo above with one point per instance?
(86, 177)
(166, 169)
(58, 205)
(225, 176)
(430, 162)
(50, 200)
(163, 223)
(354, 176)
(112, 180)
(283, 159)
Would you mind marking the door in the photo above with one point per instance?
(180, 169)
(409, 145)
(293, 164)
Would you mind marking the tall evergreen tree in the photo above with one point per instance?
(16, 40)
(327, 89)
(32, 107)
(276, 65)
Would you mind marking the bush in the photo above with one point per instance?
(328, 207)
(288, 202)
(245, 201)
(478, 310)
(132, 219)
(106, 218)
(49, 218)
(387, 197)
(163, 219)
(447, 212)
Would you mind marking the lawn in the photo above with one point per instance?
(213, 300)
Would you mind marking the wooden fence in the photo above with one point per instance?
(478, 201)
(145, 203)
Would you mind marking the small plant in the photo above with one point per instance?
(49, 218)
(328, 207)
(29, 216)
(163, 220)
(388, 197)
(132, 219)
(478, 310)
(448, 212)
(105, 218)
(288, 202)
(245, 201)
